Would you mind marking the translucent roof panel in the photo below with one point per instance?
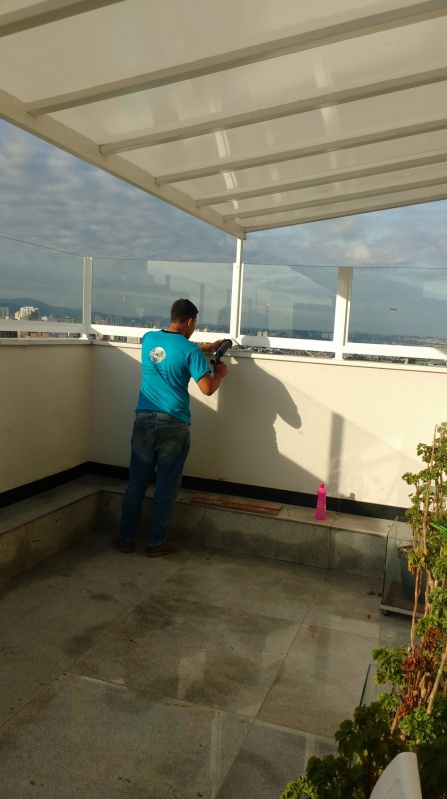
(248, 114)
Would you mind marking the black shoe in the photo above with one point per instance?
(165, 548)
(124, 545)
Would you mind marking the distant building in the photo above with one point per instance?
(4, 313)
(27, 312)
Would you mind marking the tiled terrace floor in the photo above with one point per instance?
(202, 674)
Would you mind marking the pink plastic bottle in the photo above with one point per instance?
(320, 513)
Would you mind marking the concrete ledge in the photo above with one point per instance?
(33, 529)
(344, 543)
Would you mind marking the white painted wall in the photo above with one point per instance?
(44, 408)
(287, 423)
(276, 421)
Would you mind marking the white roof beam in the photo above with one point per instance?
(438, 180)
(272, 157)
(48, 11)
(219, 123)
(52, 131)
(335, 212)
(334, 176)
(341, 31)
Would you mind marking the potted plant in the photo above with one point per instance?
(412, 716)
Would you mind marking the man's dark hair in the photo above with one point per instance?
(182, 310)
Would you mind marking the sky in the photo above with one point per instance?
(56, 202)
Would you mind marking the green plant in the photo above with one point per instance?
(412, 716)
(365, 746)
(418, 677)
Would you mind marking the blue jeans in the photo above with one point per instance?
(160, 445)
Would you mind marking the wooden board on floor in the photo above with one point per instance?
(266, 508)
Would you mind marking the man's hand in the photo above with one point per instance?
(211, 347)
(220, 369)
(209, 383)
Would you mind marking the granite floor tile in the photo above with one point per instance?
(269, 758)
(320, 682)
(370, 623)
(219, 657)
(203, 674)
(56, 619)
(21, 678)
(256, 585)
(82, 738)
(353, 605)
(96, 560)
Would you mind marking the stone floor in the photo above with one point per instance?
(202, 674)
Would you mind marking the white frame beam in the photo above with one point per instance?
(279, 156)
(218, 123)
(52, 131)
(32, 16)
(431, 194)
(334, 176)
(377, 191)
(295, 43)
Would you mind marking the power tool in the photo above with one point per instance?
(220, 352)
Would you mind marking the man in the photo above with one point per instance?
(160, 438)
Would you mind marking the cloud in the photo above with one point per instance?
(359, 254)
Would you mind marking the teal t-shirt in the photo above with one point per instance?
(168, 361)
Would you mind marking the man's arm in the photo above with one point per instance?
(207, 348)
(209, 383)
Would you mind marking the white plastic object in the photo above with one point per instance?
(400, 780)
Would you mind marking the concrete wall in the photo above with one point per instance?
(44, 408)
(287, 423)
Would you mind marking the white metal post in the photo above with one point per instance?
(342, 309)
(87, 297)
(236, 293)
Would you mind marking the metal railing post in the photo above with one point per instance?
(342, 309)
(87, 297)
(236, 293)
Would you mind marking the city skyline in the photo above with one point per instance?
(254, 326)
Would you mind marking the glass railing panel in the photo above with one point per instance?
(140, 293)
(289, 302)
(39, 286)
(399, 306)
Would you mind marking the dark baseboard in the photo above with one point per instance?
(339, 505)
(105, 470)
(39, 486)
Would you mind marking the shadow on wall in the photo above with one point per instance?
(234, 433)
(239, 442)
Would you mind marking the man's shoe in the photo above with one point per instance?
(165, 548)
(124, 545)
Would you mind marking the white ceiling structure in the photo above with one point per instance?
(248, 114)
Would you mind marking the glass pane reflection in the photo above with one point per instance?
(289, 301)
(140, 293)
